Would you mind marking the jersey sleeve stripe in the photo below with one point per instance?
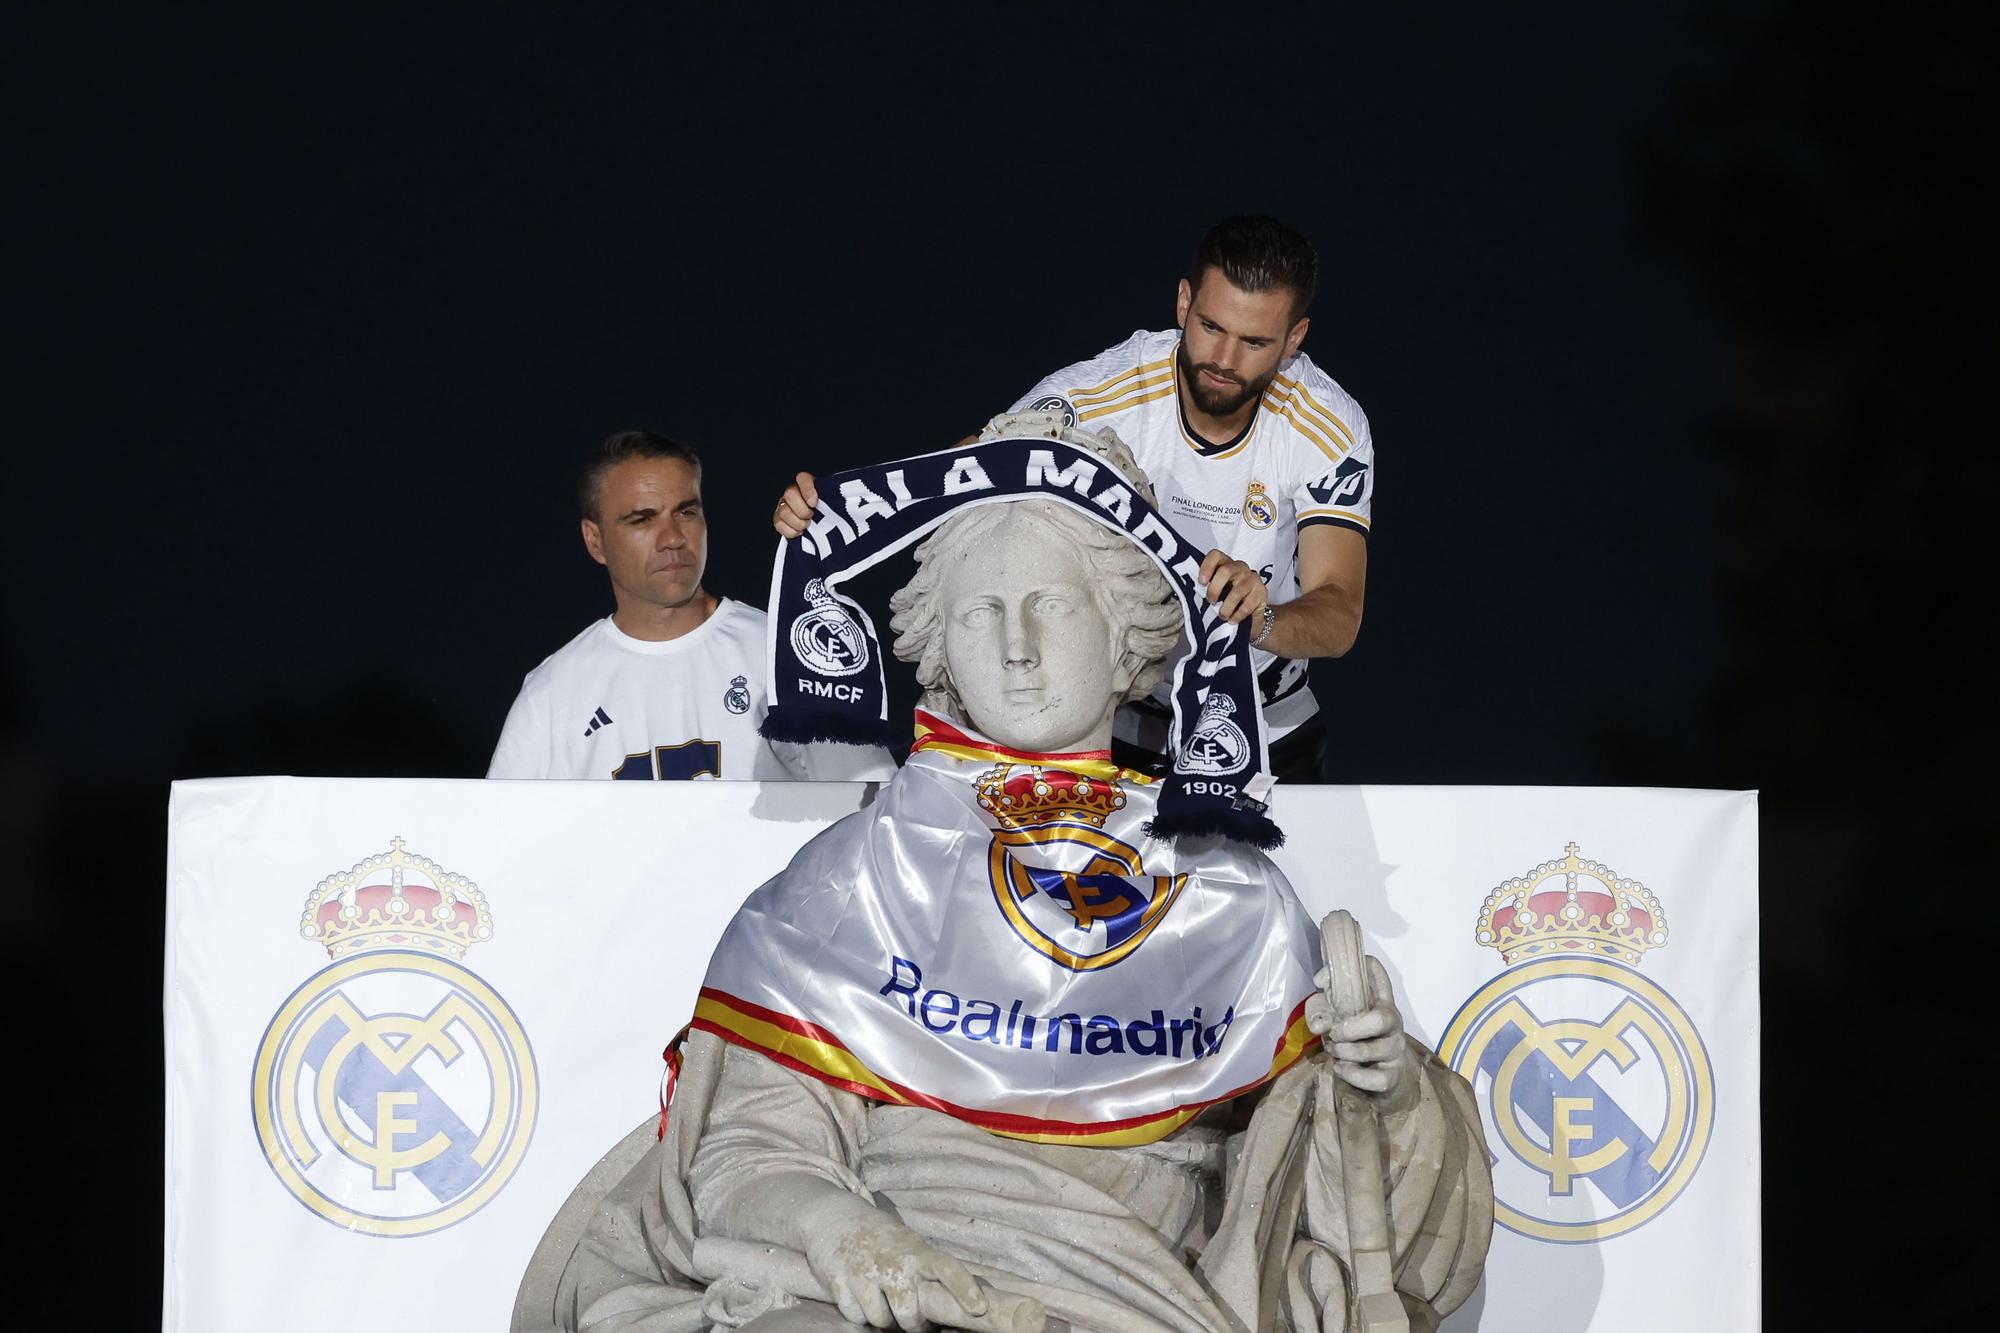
(1138, 386)
(1353, 522)
(1312, 433)
(1124, 403)
(1312, 405)
(1099, 391)
(1282, 395)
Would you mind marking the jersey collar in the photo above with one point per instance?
(707, 629)
(1195, 441)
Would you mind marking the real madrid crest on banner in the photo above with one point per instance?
(1595, 1089)
(394, 1091)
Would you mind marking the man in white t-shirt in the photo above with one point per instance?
(1254, 451)
(672, 683)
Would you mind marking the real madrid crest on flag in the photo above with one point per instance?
(1071, 891)
(394, 1092)
(1596, 1092)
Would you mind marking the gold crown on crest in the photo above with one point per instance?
(1571, 907)
(396, 900)
(1025, 795)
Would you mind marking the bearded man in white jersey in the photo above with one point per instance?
(1256, 453)
(672, 683)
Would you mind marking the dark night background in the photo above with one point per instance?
(1666, 323)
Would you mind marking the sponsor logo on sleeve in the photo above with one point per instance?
(1343, 487)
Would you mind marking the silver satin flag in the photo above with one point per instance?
(998, 939)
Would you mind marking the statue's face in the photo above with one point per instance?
(1031, 654)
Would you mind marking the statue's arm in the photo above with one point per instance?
(778, 1154)
(776, 1165)
(1421, 1211)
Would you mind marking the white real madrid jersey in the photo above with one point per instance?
(1304, 458)
(607, 705)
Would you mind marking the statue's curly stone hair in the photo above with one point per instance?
(1130, 587)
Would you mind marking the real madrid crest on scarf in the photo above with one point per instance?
(825, 637)
(1217, 744)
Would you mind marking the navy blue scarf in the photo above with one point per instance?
(826, 659)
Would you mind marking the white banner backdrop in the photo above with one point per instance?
(374, 1129)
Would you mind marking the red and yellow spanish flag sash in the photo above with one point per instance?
(996, 938)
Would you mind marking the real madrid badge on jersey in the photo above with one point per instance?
(737, 697)
(1259, 510)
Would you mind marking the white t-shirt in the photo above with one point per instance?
(607, 705)
(1304, 458)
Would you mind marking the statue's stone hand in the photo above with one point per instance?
(1368, 1049)
(878, 1271)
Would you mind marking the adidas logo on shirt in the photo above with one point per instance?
(598, 719)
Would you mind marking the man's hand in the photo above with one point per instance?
(1232, 585)
(795, 507)
(884, 1275)
(1368, 1049)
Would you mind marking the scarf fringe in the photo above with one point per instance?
(1235, 825)
(805, 728)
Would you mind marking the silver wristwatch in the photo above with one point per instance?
(1270, 619)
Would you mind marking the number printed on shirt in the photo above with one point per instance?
(671, 763)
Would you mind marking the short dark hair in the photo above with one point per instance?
(618, 447)
(1259, 254)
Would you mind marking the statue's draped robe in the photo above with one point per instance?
(1114, 1238)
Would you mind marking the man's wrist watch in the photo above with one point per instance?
(1270, 619)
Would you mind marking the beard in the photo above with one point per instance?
(1219, 402)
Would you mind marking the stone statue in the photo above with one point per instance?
(799, 1186)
